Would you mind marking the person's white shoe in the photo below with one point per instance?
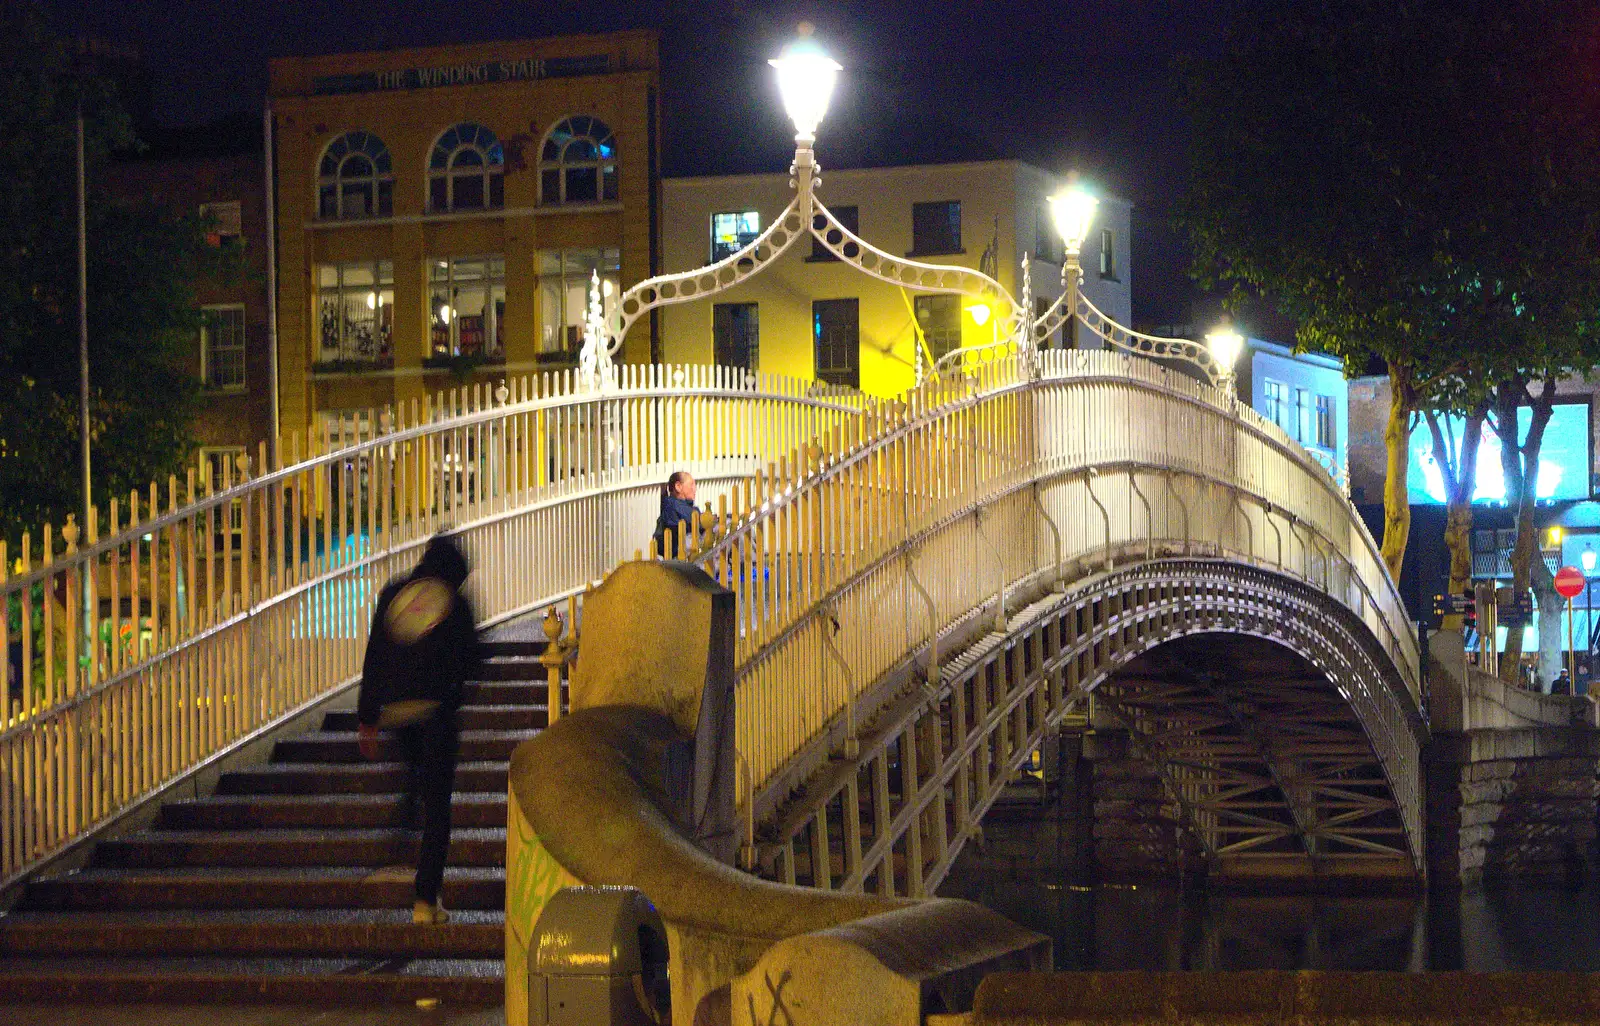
(429, 914)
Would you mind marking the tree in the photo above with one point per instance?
(143, 315)
(1348, 166)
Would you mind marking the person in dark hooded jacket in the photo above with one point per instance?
(677, 507)
(422, 650)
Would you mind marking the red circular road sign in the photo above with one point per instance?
(1569, 582)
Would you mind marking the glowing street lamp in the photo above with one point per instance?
(1073, 212)
(1225, 344)
(980, 313)
(806, 77)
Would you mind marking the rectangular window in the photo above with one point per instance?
(935, 228)
(1304, 417)
(356, 303)
(224, 222)
(733, 231)
(1108, 253)
(219, 471)
(1326, 428)
(736, 335)
(222, 347)
(1046, 243)
(467, 306)
(939, 317)
(836, 330)
(1275, 402)
(564, 295)
(846, 216)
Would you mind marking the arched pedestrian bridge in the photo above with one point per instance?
(924, 587)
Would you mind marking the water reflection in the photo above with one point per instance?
(1163, 927)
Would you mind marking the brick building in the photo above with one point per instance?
(219, 172)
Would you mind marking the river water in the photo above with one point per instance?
(1160, 927)
(1163, 926)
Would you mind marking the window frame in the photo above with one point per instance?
(231, 216)
(1304, 416)
(607, 178)
(1326, 421)
(850, 373)
(609, 265)
(383, 311)
(928, 301)
(1047, 244)
(381, 180)
(750, 351)
(850, 217)
(493, 284)
(208, 348)
(953, 245)
(207, 459)
(739, 237)
(490, 173)
(1275, 399)
(1108, 254)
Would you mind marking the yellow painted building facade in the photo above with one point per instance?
(811, 315)
(440, 212)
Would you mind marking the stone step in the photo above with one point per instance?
(472, 717)
(505, 692)
(473, 846)
(319, 982)
(512, 668)
(301, 933)
(351, 778)
(389, 887)
(519, 649)
(244, 812)
(342, 746)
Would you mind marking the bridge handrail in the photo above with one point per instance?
(215, 618)
(794, 542)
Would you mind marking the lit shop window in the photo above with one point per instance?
(564, 293)
(356, 302)
(467, 306)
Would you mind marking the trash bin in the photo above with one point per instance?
(598, 957)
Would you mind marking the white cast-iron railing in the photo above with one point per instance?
(194, 623)
(976, 488)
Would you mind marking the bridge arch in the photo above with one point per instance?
(934, 759)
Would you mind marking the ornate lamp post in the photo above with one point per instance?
(1073, 212)
(806, 79)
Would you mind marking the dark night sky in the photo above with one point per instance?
(1084, 84)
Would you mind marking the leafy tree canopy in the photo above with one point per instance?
(142, 312)
(1412, 183)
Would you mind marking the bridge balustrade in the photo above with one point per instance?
(862, 559)
(211, 610)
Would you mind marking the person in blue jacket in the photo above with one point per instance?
(677, 506)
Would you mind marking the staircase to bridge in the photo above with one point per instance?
(291, 881)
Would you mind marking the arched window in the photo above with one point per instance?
(466, 170)
(354, 178)
(578, 163)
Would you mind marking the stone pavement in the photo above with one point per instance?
(245, 1015)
